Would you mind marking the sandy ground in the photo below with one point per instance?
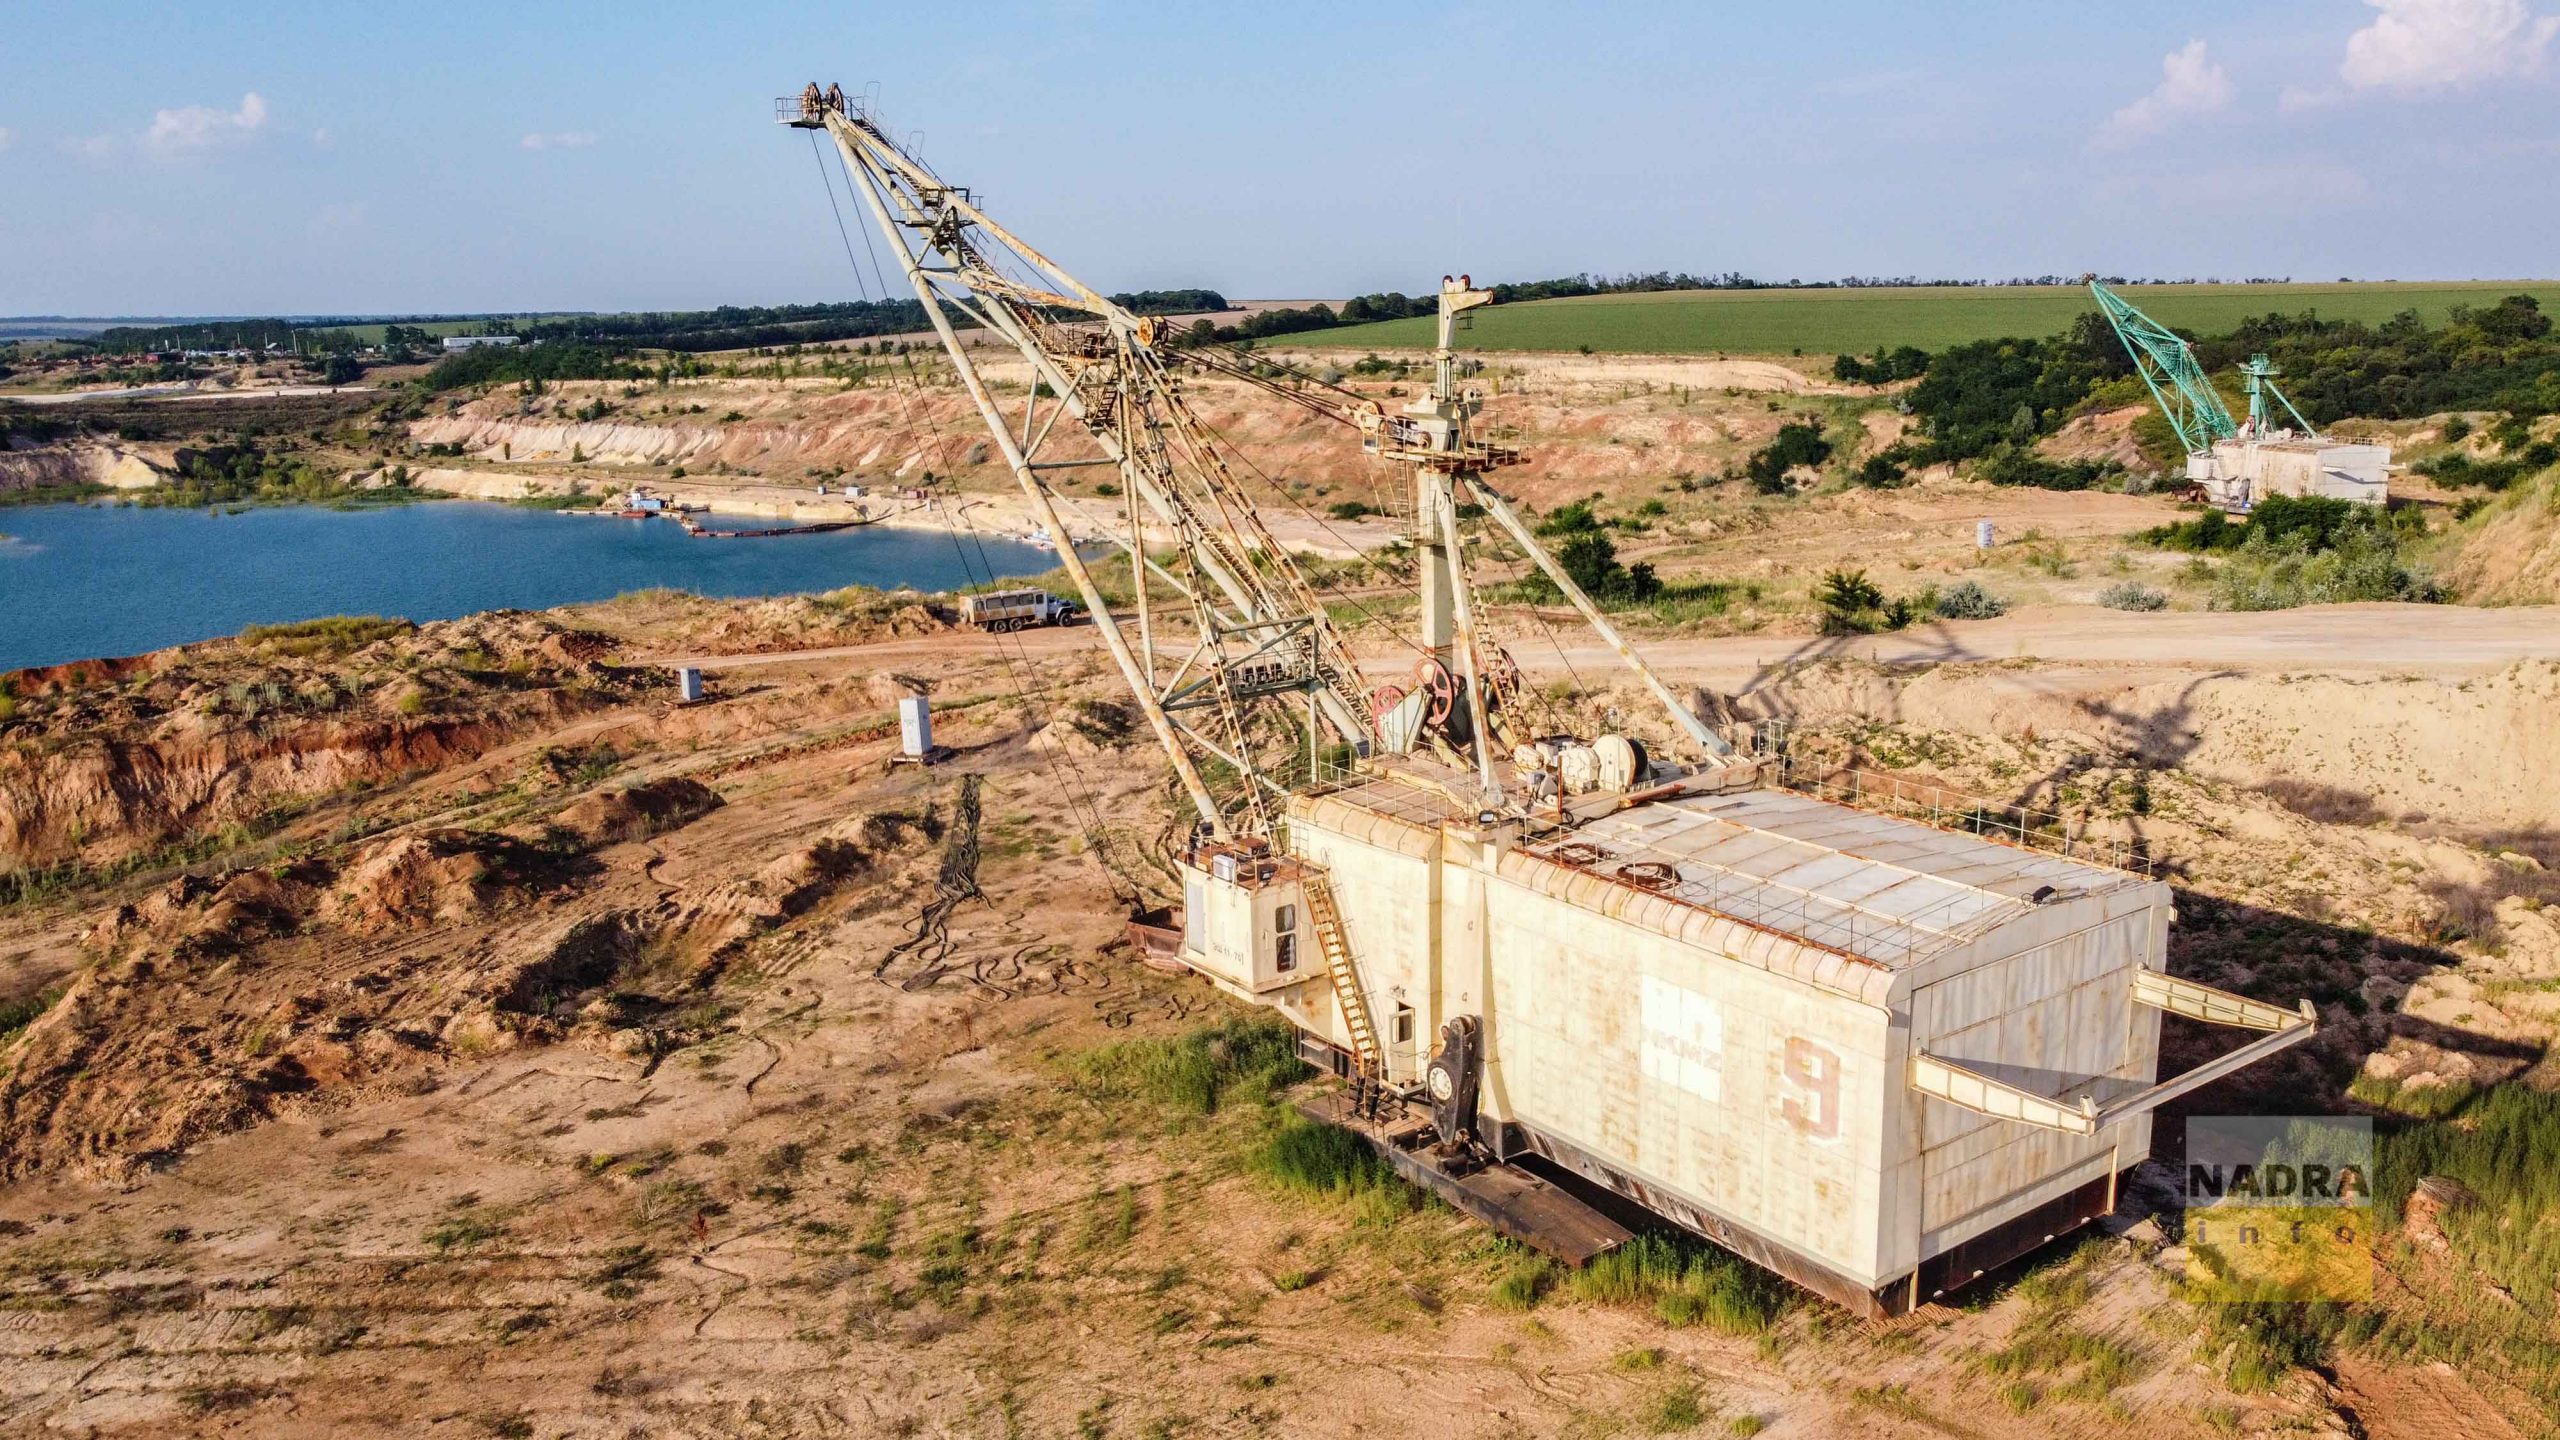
(2418, 639)
(852, 1194)
(471, 1095)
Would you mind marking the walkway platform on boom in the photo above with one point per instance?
(1535, 1212)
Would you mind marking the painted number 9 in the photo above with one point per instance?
(1812, 1072)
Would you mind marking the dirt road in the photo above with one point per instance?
(2437, 640)
(2421, 639)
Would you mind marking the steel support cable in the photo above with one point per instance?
(1081, 789)
(1027, 323)
(1362, 558)
(841, 233)
(1078, 791)
(1538, 618)
(1037, 689)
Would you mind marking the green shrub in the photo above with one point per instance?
(18, 1014)
(1853, 605)
(1573, 519)
(2019, 465)
(2208, 532)
(2132, 595)
(2365, 564)
(2460, 470)
(1888, 469)
(1967, 600)
(1798, 445)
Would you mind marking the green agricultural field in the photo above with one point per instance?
(371, 333)
(1828, 322)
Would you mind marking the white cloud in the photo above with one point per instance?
(192, 128)
(2190, 84)
(560, 140)
(2425, 44)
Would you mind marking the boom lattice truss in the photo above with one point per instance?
(1262, 630)
(1263, 635)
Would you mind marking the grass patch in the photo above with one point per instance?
(461, 1232)
(1687, 1282)
(20, 1013)
(327, 637)
(1329, 1162)
(1683, 1407)
(1524, 1284)
(2095, 1365)
(621, 1271)
(1246, 1060)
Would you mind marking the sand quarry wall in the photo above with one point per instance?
(2481, 755)
(1579, 435)
(41, 466)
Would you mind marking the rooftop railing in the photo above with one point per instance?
(1951, 809)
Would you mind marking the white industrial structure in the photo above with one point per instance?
(1874, 1053)
(2237, 474)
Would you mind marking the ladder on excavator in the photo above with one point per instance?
(1368, 1058)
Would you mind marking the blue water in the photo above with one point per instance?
(80, 582)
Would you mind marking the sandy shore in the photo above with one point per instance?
(1006, 515)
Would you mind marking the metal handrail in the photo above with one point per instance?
(1947, 808)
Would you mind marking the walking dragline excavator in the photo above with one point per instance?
(2235, 465)
(1874, 1053)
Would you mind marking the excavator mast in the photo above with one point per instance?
(1263, 632)
(1264, 637)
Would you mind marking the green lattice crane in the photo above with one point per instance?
(2169, 367)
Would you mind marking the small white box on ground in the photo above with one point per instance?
(915, 727)
(1982, 538)
(688, 684)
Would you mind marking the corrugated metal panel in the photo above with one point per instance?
(1889, 890)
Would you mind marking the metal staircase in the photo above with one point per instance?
(1368, 1057)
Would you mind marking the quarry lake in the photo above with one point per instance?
(84, 581)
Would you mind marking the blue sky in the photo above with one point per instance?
(293, 157)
